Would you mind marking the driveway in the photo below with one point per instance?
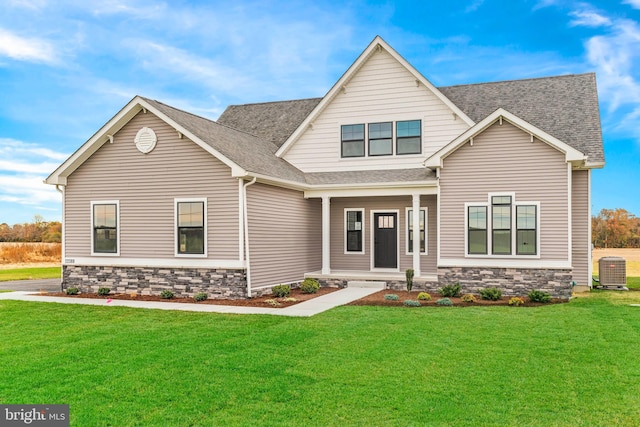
(49, 285)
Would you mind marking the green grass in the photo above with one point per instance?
(30, 273)
(633, 282)
(572, 364)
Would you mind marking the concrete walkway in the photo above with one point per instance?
(303, 309)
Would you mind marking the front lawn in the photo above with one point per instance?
(30, 273)
(568, 364)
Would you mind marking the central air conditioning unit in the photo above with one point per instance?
(613, 273)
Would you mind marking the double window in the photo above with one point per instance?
(490, 227)
(354, 225)
(191, 219)
(380, 138)
(104, 224)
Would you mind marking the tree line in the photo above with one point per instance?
(37, 231)
(615, 228)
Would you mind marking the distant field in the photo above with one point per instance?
(632, 257)
(17, 255)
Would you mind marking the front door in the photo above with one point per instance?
(385, 240)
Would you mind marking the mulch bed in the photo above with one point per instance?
(378, 299)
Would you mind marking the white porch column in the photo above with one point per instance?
(416, 234)
(326, 232)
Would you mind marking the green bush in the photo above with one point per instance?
(539, 296)
(409, 275)
(200, 296)
(391, 297)
(72, 291)
(516, 301)
(424, 296)
(281, 291)
(445, 302)
(166, 294)
(412, 303)
(309, 286)
(450, 291)
(104, 291)
(493, 294)
(468, 298)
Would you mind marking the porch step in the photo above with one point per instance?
(366, 284)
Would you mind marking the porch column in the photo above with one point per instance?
(416, 234)
(326, 232)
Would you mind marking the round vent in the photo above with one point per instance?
(146, 140)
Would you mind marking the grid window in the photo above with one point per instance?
(352, 137)
(105, 228)
(380, 139)
(409, 137)
(501, 225)
(423, 241)
(477, 229)
(354, 231)
(526, 230)
(190, 227)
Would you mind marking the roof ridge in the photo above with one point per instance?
(560, 76)
(274, 102)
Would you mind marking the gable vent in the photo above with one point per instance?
(146, 140)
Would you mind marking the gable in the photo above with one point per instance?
(382, 89)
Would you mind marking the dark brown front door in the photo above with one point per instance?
(385, 240)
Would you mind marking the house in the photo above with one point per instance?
(482, 184)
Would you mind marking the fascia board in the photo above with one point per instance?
(364, 56)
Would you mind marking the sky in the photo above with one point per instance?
(68, 66)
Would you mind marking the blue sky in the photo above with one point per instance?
(67, 66)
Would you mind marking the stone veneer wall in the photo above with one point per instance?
(512, 281)
(184, 282)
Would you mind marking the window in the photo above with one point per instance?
(380, 139)
(501, 225)
(526, 225)
(477, 230)
(492, 224)
(353, 230)
(352, 140)
(423, 236)
(105, 227)
(409, 137)
(190, 224)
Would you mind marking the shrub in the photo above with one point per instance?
(409, 275)
(200, 296)
(424, 296)
(72, 291)
(412, 303)
(309, 286)
(166, 294)
(493, 294)
(445, 302)
(516, 301)
(104, 291)
(281, 291)
(391, 297)
(539, 296)
(468, 298)
(272, 302)
(450, 291)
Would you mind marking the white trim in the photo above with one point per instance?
(376, 44)
(326, 234)
(241, 203)
(426, 232)
(156, 262)
(344, 234)
(495, 262)
(372, 237)
(175, 226)
(570, 213)
(402, 189)
(118, 226)
(590, 240)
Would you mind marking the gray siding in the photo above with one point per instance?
(581, 240)
(362, 262)
(503, 159)
(285, 235)
(146, 185)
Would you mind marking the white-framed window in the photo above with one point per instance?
(502, 227)
(409, 137)
(191, 227)
(105, 228)
(354, 231)
(423, 230)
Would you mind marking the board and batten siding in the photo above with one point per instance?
(285, 235)
(362, 262)
(382, 90)
(503, 159)
(146, 185)
(581, 240)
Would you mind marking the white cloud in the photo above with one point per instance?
(115, 7)
(11, 149)
(633, 3)
(589, 18)
(26, 49)
(475, 5)
(27, 189)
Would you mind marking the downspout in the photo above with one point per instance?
(61, 191)
(245, 219)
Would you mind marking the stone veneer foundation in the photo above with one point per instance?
(184, 282)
